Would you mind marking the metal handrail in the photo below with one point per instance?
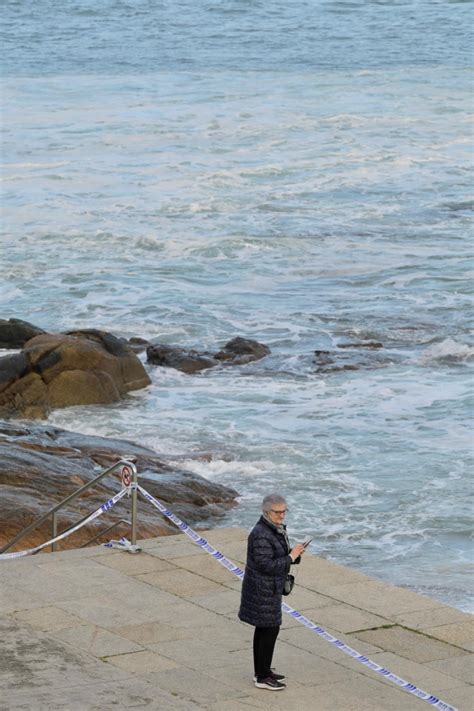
(54, 509)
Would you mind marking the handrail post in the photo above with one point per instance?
(130, 476)
(134, 505)
(54, 530)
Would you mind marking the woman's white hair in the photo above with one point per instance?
(270, 500)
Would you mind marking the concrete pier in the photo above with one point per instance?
(97, 628)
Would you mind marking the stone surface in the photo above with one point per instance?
(378, 597)
(460, 666)
(96, 641)
(130, 643)
(353, 356)
(238, 351)
(142, 662)
(462, 697)
(41, 465)
(345, 618)
(48, 619)
(409, 644)
(460, 634)
(14, 333)
(187, 361)
(58, 370)
(180, 582)
(424, 619)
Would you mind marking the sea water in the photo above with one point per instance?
(297, 173)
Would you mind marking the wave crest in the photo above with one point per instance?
(447, 351)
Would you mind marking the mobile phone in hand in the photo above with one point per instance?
(307, 541)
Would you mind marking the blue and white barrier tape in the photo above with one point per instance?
(98, 512)
(200, 541)
(124, 545)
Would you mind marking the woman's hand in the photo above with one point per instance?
(296, 551)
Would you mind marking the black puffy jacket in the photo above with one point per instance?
(268, 563)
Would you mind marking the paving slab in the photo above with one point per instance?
(421, 675)
(410, 644)
(460, 634)
(319, 574)
(122, 694)
(234, 633)
(462, 697)
(207, 567)
(461, 667)
(82, 572)
(97, 641)
(48, 618)
(32, 659)
(424, 619)
(304, 599)
(135, 564)
(197, 686)
(380, 598)
(345, 618)
(180, 582)
(312, 642)
(13, 599)
(172, 551)
(100, 629)
(217, 536)
(100, 610)
(224, 603)
(142, 662)
(200, 654)
(152, 633)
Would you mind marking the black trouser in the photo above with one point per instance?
(264, 639)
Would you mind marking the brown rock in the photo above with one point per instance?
(137, 344)
(238, 351)
(56, 370)
(172, 357)
(42, 465)
(242, 350)
(362, 344)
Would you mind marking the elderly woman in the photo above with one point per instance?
(268, 562)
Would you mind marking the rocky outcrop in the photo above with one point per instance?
(242, 350)
(14, 333)
(352, 356)
(57, 370)
(187, 361)
(42, 465)
(238, 351)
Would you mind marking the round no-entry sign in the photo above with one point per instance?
(126, 476)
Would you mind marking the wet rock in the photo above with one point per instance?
(238, 351)
(138, 345)
(322, 358)
(172, 357)
(57, 370)
(350, 357)
(242, 350)
(42, 465)
(14, 333)
(364, 344)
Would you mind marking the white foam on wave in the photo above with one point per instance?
(221, 470)
(447, 351)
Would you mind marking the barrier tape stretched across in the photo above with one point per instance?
(98, 512)
(200, 541)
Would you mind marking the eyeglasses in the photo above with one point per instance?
(280, 513)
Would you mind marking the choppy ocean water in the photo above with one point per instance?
(298, 174)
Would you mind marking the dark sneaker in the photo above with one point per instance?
(270, 684)
(277, 677)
